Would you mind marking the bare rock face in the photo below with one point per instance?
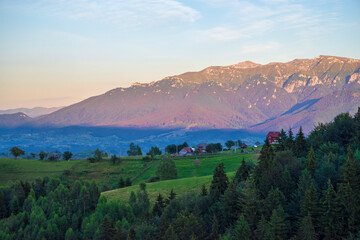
(244, 95)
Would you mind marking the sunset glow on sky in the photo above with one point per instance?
(58, 52)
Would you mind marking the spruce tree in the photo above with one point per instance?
(107, 230)
(311, 163)
(231, 208)
(70, 235)
(171, 197)
(310, 205)
(306, 229)
(121, 182)
(219, 183)
(242, 229)
(118, 232)
(243, 172)
(158, 206)
(262, 229)
(300, 144)
(331, 222)
(282, 139)
(214, 235)
(289, 144)
(287, 185)
(131, 234)
(170, 234)
(203, 190)
(250, 203)
(278, 226)
(263, 175)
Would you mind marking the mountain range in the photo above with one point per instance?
(246, 95)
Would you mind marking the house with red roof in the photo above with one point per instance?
(272, 137)
(186, 151)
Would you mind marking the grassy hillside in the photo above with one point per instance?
(23, 169)
(107, 174)
(104, 172)
(180, 186)
(190, 176)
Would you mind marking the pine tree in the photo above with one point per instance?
(128, 182)
(289, 144)
(15, 206)
(242, 229)
(282, 139)
(262, 229)
(203, 191)
(171, 197)
(158, 206)
(219, 183)
(118, 232)
(107, 230)
(300, 144)
(231, 208)
(287, 184)
(306, 229)
(331, 221)
(250, 203)
(272, 201)
(163, 225)
(263, 175)
(311, 163)
(214, 235)
(121, 182)
(278, 226)
(170, 234)
(310, 205)
(131, 235)
(70, 235)
(349, 190)
(243, 172)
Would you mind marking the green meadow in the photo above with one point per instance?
(190, 175)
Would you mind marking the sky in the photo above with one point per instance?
(58, 52)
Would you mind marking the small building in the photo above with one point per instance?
(272, 137)
(186, 151)
(201, 148)
(243, 145)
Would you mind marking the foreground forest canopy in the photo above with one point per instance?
(301, 188)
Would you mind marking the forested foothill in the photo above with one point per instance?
(301, 188)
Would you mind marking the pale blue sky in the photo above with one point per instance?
(57, 52)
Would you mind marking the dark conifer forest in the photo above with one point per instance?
(303, 188)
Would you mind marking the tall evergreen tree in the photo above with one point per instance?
(70, 235)
(231, 207)
(289, 144)
(242, 229)
(262, 229)
(311, 163)
(282, 139)
(121, 182)
(219, 183)
(158, 206)
(306, 229)
(171, 197)
(131, 234)
(300, 144)
(263, 174)
(250, 203)
(107, 230)
(214, 235)
(203, 190)
(278, 226)
(331, 222)
(243, 172)
(170, 234)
